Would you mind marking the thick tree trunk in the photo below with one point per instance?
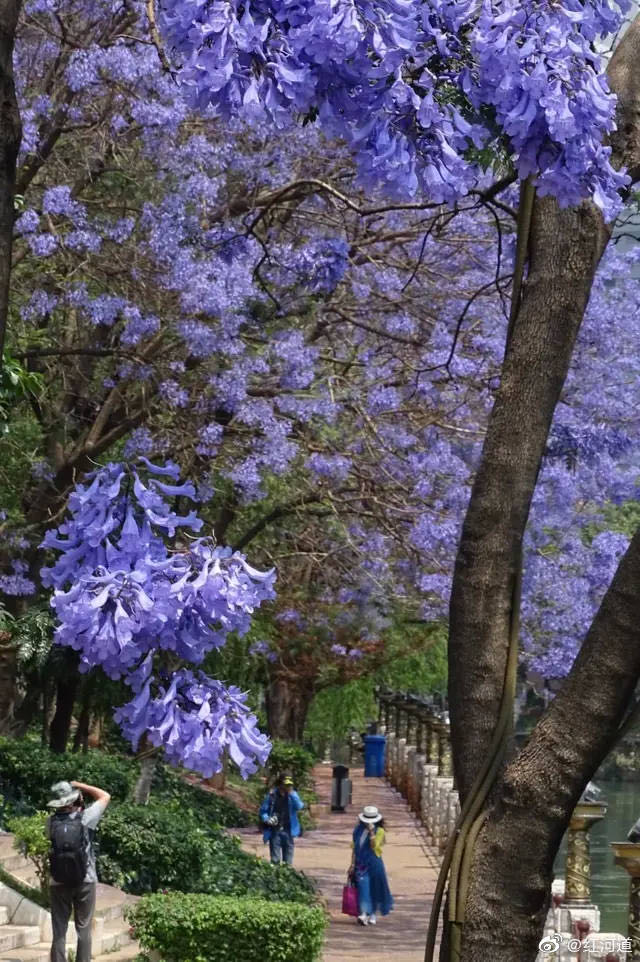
(142, 789)
(512, 869)
(531, 804)
(10, 136)
(287, 709)
(65, 700)
(8, 674)
(565, 249)
(81, 737)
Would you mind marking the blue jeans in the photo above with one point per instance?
(281, 846)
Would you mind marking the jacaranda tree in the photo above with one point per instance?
(415, 92)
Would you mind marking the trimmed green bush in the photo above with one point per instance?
(149, 848)
(29, 770)
(293, 759)
(213, 809)
(143, 848)
(197, 928)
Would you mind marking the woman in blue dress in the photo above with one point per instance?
(367, 866)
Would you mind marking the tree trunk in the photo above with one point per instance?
(142, 790)
(287, 709)
(8, 674)
(81, 737)
(512, 868)
(532, 801)
(10, 136)
(61, 723)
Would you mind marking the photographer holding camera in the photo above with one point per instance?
(279, 815)
(71, 829)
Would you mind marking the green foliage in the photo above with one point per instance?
(27, 771)
(32, 634)
(147, 848)
(293, 760)
(338, 709)
(16, 383)
(213, 809)
(31, 841)
(144, 848)
(30, 770)
(188, 928)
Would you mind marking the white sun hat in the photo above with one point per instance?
(370, 815)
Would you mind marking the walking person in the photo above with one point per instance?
(367, 867)
(71, 829)
(279, 815)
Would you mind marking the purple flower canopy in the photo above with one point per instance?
(411, 87)
(127, 601)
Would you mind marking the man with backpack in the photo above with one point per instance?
(71, 829)
(279, 818)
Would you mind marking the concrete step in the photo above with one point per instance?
(40, 952)
(18, 936)
(4, 915)
(26, 874)
(115, 936)
(131, 951)
(34, 953)
(111, 902)
(10, 858)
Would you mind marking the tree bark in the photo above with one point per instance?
(8, 673)
(512, 869)
(532, 801)
(10, 136)
(565, 249)
(142, 789)
(65, 700)
(287, 709)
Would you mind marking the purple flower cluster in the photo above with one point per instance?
(411, 89)
(123, 596)
(196, 720)
(17, 583)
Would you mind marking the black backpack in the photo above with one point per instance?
(68, 859)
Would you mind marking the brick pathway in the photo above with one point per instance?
(412, 869)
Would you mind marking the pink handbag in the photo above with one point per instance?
(350, 900)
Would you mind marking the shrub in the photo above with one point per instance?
(143, 848)
(147, 848)
(27, 772)
(30, 770)
(31, 840)
(211, 808)
(291, 758)
(196, 928)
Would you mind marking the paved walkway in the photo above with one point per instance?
(411, 866)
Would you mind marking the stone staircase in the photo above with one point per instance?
(25, 929)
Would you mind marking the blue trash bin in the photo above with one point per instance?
(374, 749)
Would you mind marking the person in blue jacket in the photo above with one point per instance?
(279, 815)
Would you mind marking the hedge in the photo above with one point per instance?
(200, 928)
(292, 759)
(27, 771)
(148, 848)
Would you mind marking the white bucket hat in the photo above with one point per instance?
(63, 795)
(370, 815)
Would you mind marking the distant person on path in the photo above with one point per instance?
(279, 815)
(71, 829)
(367, 867)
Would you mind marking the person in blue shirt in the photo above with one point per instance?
(279, 815)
